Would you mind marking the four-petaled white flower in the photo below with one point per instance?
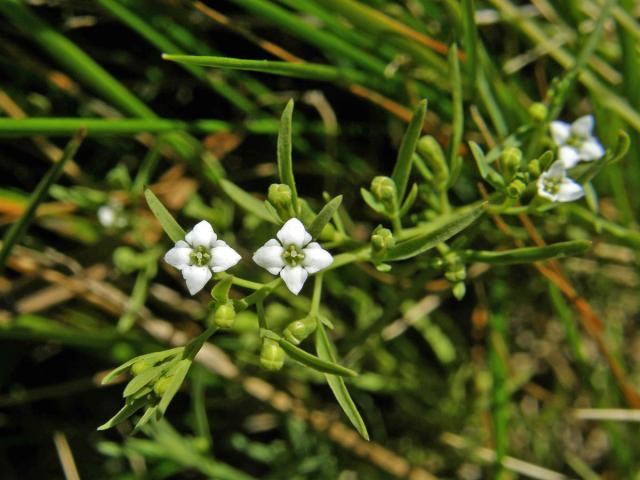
(575, 141)
(199, 254)
(293, 256)
(556, 186)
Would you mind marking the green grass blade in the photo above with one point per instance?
(402, 168)
(285, 160)
(529, 254)
(15, 233)
(324, 217)
(169, 224)
(458, 110)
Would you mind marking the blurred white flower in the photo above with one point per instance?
(112, 215)
(293, 256)
(575, 141)
(199, 254)
(556, 186)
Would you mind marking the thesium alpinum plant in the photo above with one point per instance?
(319, 239)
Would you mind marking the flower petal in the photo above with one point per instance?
(293, 232)
(315, 258)
(196, 277)
(269, 256)
(223, 257)
(569, 191)
(560, 132)
(583, 127)
(591, 149)
(294, 278)
(179, 256)
(201, 234)
(568, 156)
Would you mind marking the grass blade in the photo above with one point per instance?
(169, 224)
(529, 254)
(402, 168)
(324, 216)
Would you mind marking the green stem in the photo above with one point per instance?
(317, 295)
(194, 346)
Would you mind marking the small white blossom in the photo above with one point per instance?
(575, 141)
(556, 186)
(111, 215)
(199, 254)
(293, 255)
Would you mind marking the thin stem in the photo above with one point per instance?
(262, 319)
(317, 295)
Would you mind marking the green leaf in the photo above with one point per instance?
(285, 162)
(144, 378)
(621, 148)
(179, 372)
(448, 227)
(148, 415)
(370, 200)
(220, 292)
(402, 168)
(325, 351)
(154, 357)
(274, 213)
(246, 201)
(15, 233)
(529, 254)
(169, 224)
(315, 362)
(324, 216)
(458, 111)
(124, 413)
(408, 202)
(486, 171)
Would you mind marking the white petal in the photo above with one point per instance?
(202, 234)
(560, 132)
(591, 150)
(557, 169)
(568, 156)
(569, 191)
(583, 126)
(294, 278)
(196, 277)
(179, 256)
(293, 232)
(269, 256)
(106, 216)
(223, 257)
(316, 258)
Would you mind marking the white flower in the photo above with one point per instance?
(293, 256)
(556, 186)
(575, 142)
(112, 215)
(199, 254)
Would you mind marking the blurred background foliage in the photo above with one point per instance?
(532, 374)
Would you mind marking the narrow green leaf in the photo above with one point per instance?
(179, 373)
(245, 200)
(315, 362)
(220, 292)
(458, 111)
(169, 224)
(455, 223)
(153, 357)
(285, 161)
(408, 202)
(529, 254)
(402, 168)
(324, 216)
(325, 351)
(371, 201)
(469, 36)
(124, 413)
(274, 213)
(15, 233)
(144, 378)
(486, 171)
(148, 415)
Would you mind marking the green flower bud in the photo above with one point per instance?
(459, 289)
(224, 315)
(382, 240)
(140, 366)
(511, 159)
(298, 330)
(272, 355)
(279, 195)
(516, 188)
(533, 167)
(384, 189)
(430, 149)
(162, 385)
(538, 111)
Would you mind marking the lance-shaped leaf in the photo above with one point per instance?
(169, 224)
(150, 357)
(402, 168)
(325, 351)
(245, 200)
(324, 216)
(315, 362)
(486, 171)
(370, 200)
(145, 378)
(285, 162)
(529, 254)
(179, 372)
(148, 415)
(124, 413)
(408, 202)
(453, 224)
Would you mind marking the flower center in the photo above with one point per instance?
(200, 256)
(292, 255)
(575, 141)
(552, 185)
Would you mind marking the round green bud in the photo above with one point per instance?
(516, 188)
(538, 111)
(140, 366)
(459, 289)
(279, 195)
(298, 330)
(432, 152)
(382, 240)
(224, 315)
(383, 188)
(511, 159)
(456, 273)
(162, 385)
(533, 167)
(271, 355)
